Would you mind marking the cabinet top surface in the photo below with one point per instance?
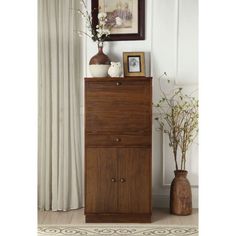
(135, 78)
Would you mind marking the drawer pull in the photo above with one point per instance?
(117, 140)
(113, 180)
(118, 83)
(122, 180)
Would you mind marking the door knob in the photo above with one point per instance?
(113, 180)
(122, 180)
(117, 140)
(118, 83)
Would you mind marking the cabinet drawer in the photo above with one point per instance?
(117, 140)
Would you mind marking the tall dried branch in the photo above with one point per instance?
(178, 117)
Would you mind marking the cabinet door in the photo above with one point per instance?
(119, 109)
(101, 182)
(134, 171)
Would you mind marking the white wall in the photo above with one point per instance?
(174, 50)
(170, 46)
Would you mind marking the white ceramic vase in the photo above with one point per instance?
(99, 70)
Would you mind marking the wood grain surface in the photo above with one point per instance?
(118, 128)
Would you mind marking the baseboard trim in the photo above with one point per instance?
(162, 201)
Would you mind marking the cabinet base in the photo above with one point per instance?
(118, 218)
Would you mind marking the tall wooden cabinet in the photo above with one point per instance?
(118, 128)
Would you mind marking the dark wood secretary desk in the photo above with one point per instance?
(118, 147)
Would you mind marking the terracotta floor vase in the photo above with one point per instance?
(180, 194)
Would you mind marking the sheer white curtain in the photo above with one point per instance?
(59, 152)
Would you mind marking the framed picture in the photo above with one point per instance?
(125, 17)
(134, 63)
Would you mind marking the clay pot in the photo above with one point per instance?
(100, 63)
(180, 194)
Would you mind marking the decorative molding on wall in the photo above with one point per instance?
(164, 182)
(151, 51)
(186, 32)
(161, 134)
(177, 39)
(162, 201)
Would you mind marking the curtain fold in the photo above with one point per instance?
(59, 151)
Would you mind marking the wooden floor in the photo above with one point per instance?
(159, 217)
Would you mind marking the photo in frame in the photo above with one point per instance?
(134, 63)
(126, 18)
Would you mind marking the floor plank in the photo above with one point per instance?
(160, 217)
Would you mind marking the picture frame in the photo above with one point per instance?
(126, 16)
(134, 63)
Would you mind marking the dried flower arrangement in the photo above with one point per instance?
(178, 118)
(101, 32)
